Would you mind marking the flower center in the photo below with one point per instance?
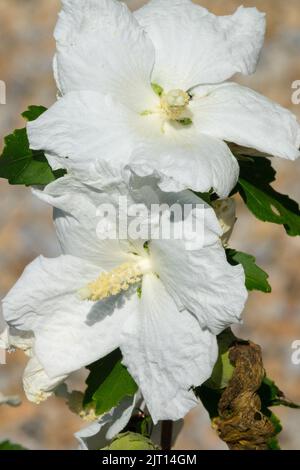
(173, 106)
(115, 281)
(174, 103)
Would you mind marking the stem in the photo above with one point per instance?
(166, 435)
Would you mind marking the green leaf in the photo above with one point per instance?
(271, 395)
(158, 90)
(259, 170)
(273, 443)
(262, 200)
(223, 369)
(269, 392)
(210, 399)
(21, 165)
(7, 445)
(33, 112)
(211, 391)
(108, 383)
(256, 278)
(146, 426)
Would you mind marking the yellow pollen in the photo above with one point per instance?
(88, 415)
(174, 103)
(41, 396)
(115, 281)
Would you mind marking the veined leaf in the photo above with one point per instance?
(262, 200)
(108, 383)
(21, 165)
(256, 278)
(270, 206)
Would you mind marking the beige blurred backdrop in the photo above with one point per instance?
(273, 321)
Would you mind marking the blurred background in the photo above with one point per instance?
(273, 320)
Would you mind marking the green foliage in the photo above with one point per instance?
(211, 391)
(146, 426)
(7, 445)
(210, 399)
(223, 369)
(271, 395)
(108, 383)
(262, 200)
(33, 112)
(256, 278)
(273, 443)
(21, 165)
(268, 394)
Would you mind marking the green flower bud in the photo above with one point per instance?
(131, 441)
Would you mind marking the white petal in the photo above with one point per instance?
(70, 333)
(197, 162)
(13, 338)
(102, 47)
(166, 352)
(78, 222)
(82, 127)
(195, 47)
(23, 340)
(43, 284)
(201, 280)
(240, 115)
(37, 385)
(98, 434)
(88, 337)
(4, 333)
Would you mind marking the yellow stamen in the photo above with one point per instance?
(115, 281)
(174, 103)
(41, 396)
(172, 107)
(89, 416)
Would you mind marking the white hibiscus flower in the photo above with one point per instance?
(161, 303)
(146, 88)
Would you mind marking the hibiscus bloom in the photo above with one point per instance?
(146, 89)
(162, 303)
